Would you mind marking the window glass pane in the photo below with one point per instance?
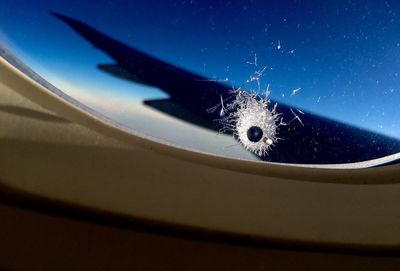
(158, 67)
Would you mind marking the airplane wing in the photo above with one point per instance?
(183, 87)
(314, 140)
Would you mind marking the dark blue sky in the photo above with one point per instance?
(344, 55)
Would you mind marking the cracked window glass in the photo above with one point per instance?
(303, 82)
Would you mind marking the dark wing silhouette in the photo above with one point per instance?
(183, 87)
(316, 141)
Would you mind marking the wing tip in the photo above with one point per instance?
(68, 20)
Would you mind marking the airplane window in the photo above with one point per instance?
(307, 82)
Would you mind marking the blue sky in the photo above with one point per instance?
(344, 55)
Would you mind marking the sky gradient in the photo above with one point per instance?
(342, 56)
